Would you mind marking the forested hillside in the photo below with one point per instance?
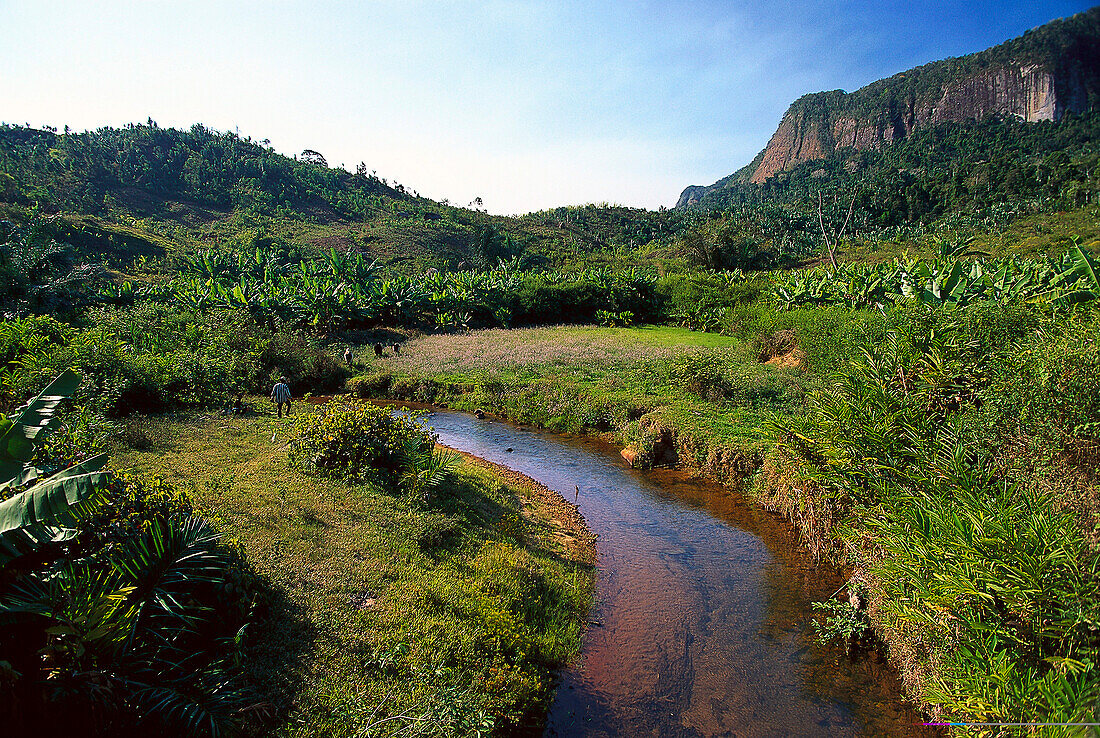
(965, 167)
(175, 188)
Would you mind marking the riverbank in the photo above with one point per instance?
(703, 605)
(385, 614)
(563, 521)
(857, 472)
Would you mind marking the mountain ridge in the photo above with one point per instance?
(1042, 75)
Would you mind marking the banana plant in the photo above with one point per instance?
(1084, 271)
(45, 512)
(951, 280)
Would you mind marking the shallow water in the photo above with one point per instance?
(701, 626)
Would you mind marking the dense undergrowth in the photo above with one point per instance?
(952, 465)
(123, 611)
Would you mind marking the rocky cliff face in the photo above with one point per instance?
(1042, 75)
(1028, 92)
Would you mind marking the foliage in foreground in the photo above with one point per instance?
(929, 451)
(429, 617)
(121, 611)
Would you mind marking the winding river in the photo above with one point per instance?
(703, 604)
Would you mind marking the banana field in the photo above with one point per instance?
(1072, 279)
(346, 290)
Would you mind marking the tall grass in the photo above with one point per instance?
(984, 574)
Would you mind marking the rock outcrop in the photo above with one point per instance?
(1041, 76)
(692, 195)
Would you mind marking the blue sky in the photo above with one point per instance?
(528, 105)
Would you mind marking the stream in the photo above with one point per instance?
(702, 620)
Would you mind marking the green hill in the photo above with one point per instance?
(177, 188)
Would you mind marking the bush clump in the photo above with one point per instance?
(134, 626)
(367, 386)
(350, 439)
(301, 359)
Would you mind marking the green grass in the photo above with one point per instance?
(1033, 236)
(453, 616)
(706, 393)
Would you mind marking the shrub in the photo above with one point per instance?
(678, 294)
(350, 439)
(367, 386)
(307, 365)
(829, 336)
(146, 358)
(844, 622)
(80, 434)
(718, 377)
(30, 335)
(573, 302)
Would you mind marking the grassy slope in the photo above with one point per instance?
(139, 224)
(378, 601)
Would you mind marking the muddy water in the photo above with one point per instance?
(701, 624)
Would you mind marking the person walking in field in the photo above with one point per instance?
(348, 356)
(280, 395)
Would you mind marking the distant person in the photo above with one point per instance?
(280, 395)
(348, 356)
(397, 349)
(378, 350)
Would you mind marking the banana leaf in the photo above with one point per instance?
(21, 432)
(45, 512)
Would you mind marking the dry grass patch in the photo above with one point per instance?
(498, 350)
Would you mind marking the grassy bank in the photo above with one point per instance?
(623, 382)
(386, 616)
(943, 455)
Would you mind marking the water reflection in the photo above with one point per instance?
(703, 604)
